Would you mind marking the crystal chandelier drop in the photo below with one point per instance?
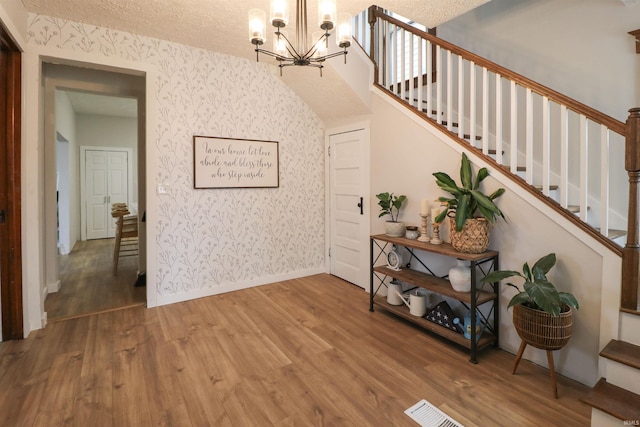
(300, 53)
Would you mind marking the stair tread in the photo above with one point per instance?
(551, 187)
(613, 400)
(622, 352)
(614, 234)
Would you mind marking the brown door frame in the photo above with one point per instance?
(10, 196)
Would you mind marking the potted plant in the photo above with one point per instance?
(390, 204)
(470, 210)
(542, 316)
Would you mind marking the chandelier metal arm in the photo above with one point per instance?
(308, 58)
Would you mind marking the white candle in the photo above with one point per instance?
(424, 208)
(435, 212)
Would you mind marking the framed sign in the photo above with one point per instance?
(234, 163)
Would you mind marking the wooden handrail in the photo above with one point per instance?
(589, 112)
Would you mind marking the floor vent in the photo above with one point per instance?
(427, 415)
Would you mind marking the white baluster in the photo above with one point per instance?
(438, 85)
(472, 104)
(499, 119)
(485, 110)
(584, 166)
(564, 156)
(403, 75)
(429, 78)
(546, 145)
(391, 42)
(383, 47)
(460, 97)
(420, 73)
(412, 87)
(449, 90)
(514, 129)
(604, 180)
(528, 162)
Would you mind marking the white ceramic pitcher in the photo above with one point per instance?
(393, 292)
(417, 303)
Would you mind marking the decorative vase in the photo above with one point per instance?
(542, 330)
(412, 232)
(473, 238)
(394, 228)
(460, 276)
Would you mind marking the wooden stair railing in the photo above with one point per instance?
(446, 85)
(631, 251)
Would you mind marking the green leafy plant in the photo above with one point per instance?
(468, 201)
(538, 293)
(388, 202)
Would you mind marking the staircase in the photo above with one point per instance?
(530, 132)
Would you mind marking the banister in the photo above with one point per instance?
(631, 251)
(589, 112)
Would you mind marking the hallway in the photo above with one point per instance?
(87, 283)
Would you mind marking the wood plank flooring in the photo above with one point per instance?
(87, 283)
(304, 352)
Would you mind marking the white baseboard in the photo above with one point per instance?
(236, 286)
(52, 288)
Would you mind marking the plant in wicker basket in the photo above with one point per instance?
(470, 210)
(542, 316)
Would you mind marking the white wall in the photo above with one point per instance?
(66, 126)
(109, 131)
(405, 154)
(578, 47)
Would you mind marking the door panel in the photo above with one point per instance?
(349, 225)
(96, 176)
(107, 183)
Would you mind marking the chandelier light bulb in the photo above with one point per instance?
(344, 30)
(279, 13)
(257, 33)
(326, 14)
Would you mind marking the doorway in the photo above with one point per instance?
(100, 115)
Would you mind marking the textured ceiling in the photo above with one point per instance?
(221, 26)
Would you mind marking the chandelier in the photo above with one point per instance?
(300, 53)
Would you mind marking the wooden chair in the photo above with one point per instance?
(126, 233)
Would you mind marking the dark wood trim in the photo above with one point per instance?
(591, 231)
(10, 195)
(591, 113)
(636, 34)
(631, 251)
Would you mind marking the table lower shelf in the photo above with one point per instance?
(402, 311)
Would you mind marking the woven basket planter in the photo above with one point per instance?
(541, 329)
(473, 238)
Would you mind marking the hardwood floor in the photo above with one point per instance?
(296, 353)
(87, 283)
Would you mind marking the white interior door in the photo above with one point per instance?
(349, 194)
(117, 183)
(96, 194)
(106, 182)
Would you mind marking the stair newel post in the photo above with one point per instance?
(631, 251)
(373, 17)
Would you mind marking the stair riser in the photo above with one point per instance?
(630, 328)
(601, 419)
(623, 376)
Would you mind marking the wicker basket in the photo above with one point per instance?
(473, 238)
(541, 329)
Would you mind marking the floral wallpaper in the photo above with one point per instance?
(206, 238)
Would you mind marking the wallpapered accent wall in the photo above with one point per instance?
(213, 237)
